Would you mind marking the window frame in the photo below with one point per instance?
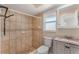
(44, 22)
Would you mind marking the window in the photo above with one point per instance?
(50, 23)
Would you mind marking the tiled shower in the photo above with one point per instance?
(18, 33)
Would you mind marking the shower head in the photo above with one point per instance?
(4, 9)
(4, 15)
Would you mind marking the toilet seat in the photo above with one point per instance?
(43, 49)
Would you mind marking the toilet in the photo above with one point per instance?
(44, 49)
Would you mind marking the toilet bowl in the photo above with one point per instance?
(44, 49)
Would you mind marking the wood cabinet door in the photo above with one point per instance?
(64, 48)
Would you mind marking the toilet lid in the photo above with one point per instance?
(42, 49)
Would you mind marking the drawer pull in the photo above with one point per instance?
(67, 47)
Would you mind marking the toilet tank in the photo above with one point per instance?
(47, 41)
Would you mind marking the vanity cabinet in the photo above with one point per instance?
(64, 48)
(58, 47)
(74, 49)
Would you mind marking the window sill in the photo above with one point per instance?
(50, 31)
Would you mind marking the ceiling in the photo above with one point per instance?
(38, 5)
(31, 9)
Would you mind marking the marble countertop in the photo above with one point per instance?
(71, 41)
(62, 39)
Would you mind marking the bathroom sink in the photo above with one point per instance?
(71, 38)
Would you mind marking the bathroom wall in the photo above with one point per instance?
(37, 34)
(18, 37)
(0, 35)
(63, 32)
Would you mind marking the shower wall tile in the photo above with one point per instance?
(7, 26)
(12, 46)
(18, 45)
(37, 31)
(0, 35)
(0, 45)
(2, 24)
(18, 38)
(5, 43)
(37, 38)
(5, 46)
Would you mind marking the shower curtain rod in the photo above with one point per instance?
(25, 13)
